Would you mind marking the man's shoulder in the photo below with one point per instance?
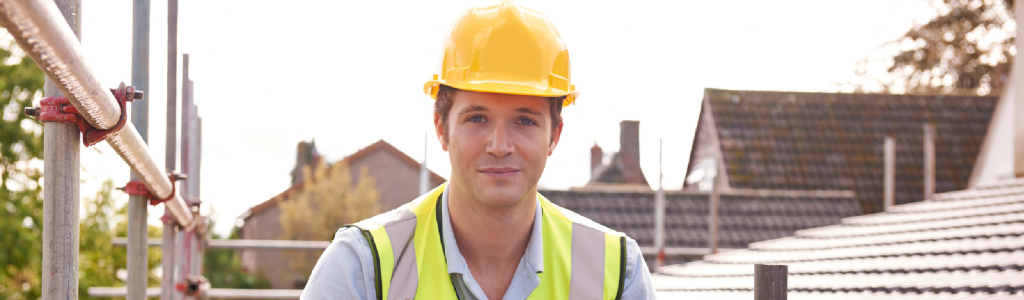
(345, 268)
(399, 213)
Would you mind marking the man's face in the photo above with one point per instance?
(498, 145)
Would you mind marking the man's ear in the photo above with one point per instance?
(439, 131)
(555, 135)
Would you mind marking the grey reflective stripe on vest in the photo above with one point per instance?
(404, 279)
(587, 280)
(588, 258)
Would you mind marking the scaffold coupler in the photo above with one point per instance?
(138, 188)
(59, 109)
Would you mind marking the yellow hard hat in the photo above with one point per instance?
(505, 49)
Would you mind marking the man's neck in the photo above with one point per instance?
(492, 240)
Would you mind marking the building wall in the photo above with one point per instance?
(396, 181)
(703, 146)
(272, 263)
(996, 161)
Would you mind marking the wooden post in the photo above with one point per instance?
(137, 260)
(889, 197)
(60, 191)
(659, 215)
(167, 291)
(929, 160)
(770, 282)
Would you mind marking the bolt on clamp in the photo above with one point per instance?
(59, 109)
(138, 188)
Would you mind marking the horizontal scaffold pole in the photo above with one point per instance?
(153, 292)
(244, 244)
(40, 30)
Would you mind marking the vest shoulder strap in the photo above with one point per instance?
(598, 255)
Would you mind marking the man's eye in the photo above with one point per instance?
(476, 119)
(525, 121)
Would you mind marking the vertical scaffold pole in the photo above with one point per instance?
(170, 149)
(889, 198)
(713, 204)
(183, 262)
(659, 215)
(138, 232)
(929, 161)
(60, 190)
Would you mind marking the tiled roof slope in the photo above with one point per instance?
(969, 243)
(821, 141)
(743, 219)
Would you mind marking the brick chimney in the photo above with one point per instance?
(629, 152)
(596, 156)
(306, 155)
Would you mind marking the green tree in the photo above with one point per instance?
(223, 267)
(966, 49)
(328, 200)
(21, 203)
(99, 261)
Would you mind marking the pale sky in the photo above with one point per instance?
(269, 74)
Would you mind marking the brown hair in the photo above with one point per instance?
(446, 96)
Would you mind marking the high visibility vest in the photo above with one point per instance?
(580, 261)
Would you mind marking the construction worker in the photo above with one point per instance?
(487, 233)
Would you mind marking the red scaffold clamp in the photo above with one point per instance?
(193, 286)
(137, 188)
(59, 109)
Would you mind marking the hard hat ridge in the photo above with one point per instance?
(506, 49)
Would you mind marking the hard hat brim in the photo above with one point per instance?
(431, 87)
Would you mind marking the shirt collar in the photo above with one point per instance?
(534, 255)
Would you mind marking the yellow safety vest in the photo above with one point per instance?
(580, 261)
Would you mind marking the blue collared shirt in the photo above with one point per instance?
(346, 270)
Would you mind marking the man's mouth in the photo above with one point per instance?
(500, 172)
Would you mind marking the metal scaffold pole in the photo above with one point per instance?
(60, 189)
(889, 196)
(170, 150)
(659, 215)
(137, 204)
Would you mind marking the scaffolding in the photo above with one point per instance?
(78, 109)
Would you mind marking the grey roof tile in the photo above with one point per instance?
(969, 243)
(821, 141)
(743, 219)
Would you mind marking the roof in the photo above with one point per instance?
(617, 172)
(743, 218)
(823, 141)
(362, 153)
(969, 243)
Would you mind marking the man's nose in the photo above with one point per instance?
(500, 144)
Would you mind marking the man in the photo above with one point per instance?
(487, 233)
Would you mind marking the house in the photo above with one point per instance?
(821, 141)
(619, 197)
(622, 168)
(397, 178)
(744, 218)
(964, 244)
